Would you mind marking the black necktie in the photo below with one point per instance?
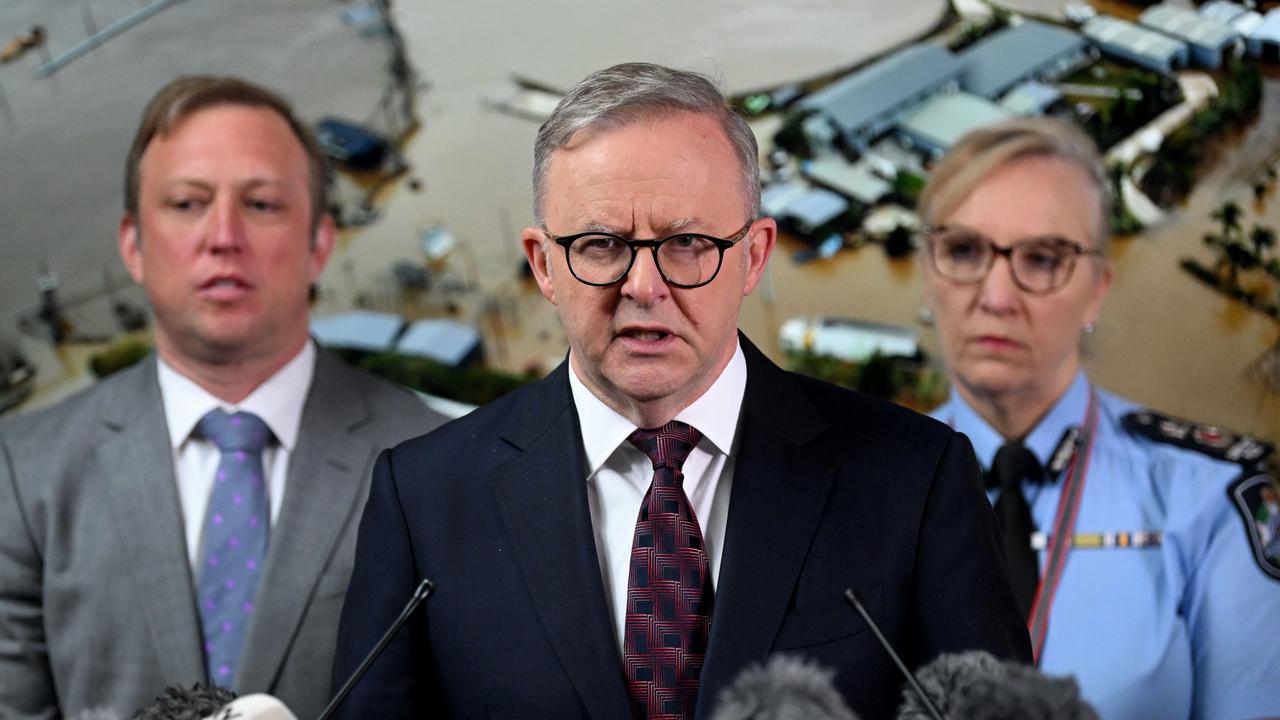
(1013, 464)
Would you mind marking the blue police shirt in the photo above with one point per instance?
(1189, 628)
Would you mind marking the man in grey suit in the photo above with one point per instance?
(193, 518)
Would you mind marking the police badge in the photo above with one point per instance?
(1258, 500)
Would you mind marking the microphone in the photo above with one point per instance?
(856, 602)
(423, 591)
(785, 688)
(179, 703)
(975, 685)
(254, 707)
(96, 713)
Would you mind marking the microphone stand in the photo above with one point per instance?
(853, 599)
(425, 588)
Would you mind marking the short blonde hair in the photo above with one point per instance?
(980, 152)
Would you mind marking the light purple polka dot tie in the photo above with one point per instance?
(235, 538)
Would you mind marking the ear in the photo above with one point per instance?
(1102, 285)
(128, 241)
(760, 241)
(929, 291)
(533, 240)
(322, 245)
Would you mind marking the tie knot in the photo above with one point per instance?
(1013, 464)
(236, 431)
(667, 446)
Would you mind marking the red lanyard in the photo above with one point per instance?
(1064, 525)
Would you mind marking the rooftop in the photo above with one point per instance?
(1222, 11)
(856, 181)
(1124, 35)
(1188, 25)
(944, 118)
(999, 61)
(358, 330)
(445, 341)
(1030, 98)
(1269, 28)
(857, 98)
(816, 207)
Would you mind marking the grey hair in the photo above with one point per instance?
(982, 151)
(626, 93)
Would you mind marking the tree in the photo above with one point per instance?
(1229, 215)
(1262, 238)
(1219, 247)
(1235, 253)
(1239, 257)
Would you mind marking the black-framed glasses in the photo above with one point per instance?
(1040, 265)
(685, 260)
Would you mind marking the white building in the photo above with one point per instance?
(1138, 45)
(1212, 43)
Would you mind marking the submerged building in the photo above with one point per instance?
(867, 103)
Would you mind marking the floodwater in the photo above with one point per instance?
(1165, 339)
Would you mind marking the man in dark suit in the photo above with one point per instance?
(667, 507)
(194, 517)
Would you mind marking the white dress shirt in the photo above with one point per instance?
(278, 401)
(619, 474)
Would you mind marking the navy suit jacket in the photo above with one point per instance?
(831, 490)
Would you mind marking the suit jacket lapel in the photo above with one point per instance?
(324, 481)
(134, 456)
(542, 496)
(777, 500)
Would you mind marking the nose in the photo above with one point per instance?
(1000, 294)
(644, 282)
(225, 230)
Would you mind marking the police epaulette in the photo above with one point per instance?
(1212, 441)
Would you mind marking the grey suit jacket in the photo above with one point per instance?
(97, 607)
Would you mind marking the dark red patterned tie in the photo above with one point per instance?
(669, 587)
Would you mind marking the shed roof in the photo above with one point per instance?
(856, 99)
(945, 117)
(856, 181)
(1188, 25)
(1000, 60)
(1129, 37)
(358, 329)
(444, 341)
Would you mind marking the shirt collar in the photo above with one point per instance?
(278, 400)
(714, 414)
(1043, 439)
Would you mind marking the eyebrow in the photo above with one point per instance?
(1048, 237)
(252, 183)
(673, 227)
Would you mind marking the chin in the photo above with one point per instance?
(646, 388)
(995, 378)
(646, 384)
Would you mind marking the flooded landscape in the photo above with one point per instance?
(1165, 339)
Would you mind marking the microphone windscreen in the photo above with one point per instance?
(96, 714)
(977, 686)
(785, 688)
(254, 707)
(179, 703)
(944, 680)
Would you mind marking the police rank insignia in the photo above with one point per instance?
(1258, 501)
(1212, 441)
(1254, 494)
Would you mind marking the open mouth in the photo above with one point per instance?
(224, 282)
(647, 335)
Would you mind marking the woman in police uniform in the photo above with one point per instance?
(1129, 536)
